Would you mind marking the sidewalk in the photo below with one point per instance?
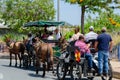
(116, 68)
(4, 55)
(114, 62)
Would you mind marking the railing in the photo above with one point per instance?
(115, 54)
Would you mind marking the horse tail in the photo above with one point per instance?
(22, 49)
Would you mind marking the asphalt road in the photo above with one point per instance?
(16, 73)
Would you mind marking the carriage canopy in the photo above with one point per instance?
(43, 24)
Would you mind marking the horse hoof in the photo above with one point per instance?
(54, 74)
(29, 65)
(26, 67)
(9, 64)
(43, 75)
(20, 66)
(36, 72)
(15, 65)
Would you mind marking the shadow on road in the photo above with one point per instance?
(49, 74)
(30, 68)
(34, 75)
(40, 75)
(49, 77)
(72, 79)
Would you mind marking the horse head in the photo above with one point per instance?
(63, 43)
(7, 41)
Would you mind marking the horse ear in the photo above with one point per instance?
(23, 38)
(7, 39)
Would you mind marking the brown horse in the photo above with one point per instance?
(16, 48)
(44, 54)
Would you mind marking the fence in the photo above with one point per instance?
(115, 54)
(3, 48)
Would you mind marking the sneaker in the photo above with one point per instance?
(90, 70)
(105, 74)
(107, 78)
(99, 74)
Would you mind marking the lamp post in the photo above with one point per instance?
(58, 10)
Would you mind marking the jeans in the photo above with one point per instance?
(89, 58)
(103, 61)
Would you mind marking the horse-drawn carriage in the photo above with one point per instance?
(42, 51)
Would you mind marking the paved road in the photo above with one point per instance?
(16, 73)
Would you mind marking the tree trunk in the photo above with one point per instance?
(82, 18)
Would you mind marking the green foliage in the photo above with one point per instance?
(103, 20)
(68, 34)
(12, 36)
(18, 12)
(93, 6)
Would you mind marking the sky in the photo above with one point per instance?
(68, 13)
(71, 13)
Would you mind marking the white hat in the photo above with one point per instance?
(91, 27)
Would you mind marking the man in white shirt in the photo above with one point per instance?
(57, 34)
(91, 35)
(50, 37)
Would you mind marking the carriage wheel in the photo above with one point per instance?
(86, 71)
(61, 70)
(75, 71)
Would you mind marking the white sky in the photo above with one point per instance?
(68, 13)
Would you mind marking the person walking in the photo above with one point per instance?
(103, 45)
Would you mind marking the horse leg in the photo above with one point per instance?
(44, 69)
(37, 65)
(30, 55)
(10, 59)
(53, 69)
(29, 58)
(15, 60)
(52, 64)
(19, 59)
(33, 58)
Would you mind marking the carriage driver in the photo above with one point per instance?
(29, 43)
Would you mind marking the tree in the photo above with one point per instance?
(92, 6)
(17, 12)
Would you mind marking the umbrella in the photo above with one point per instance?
(43, 24)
